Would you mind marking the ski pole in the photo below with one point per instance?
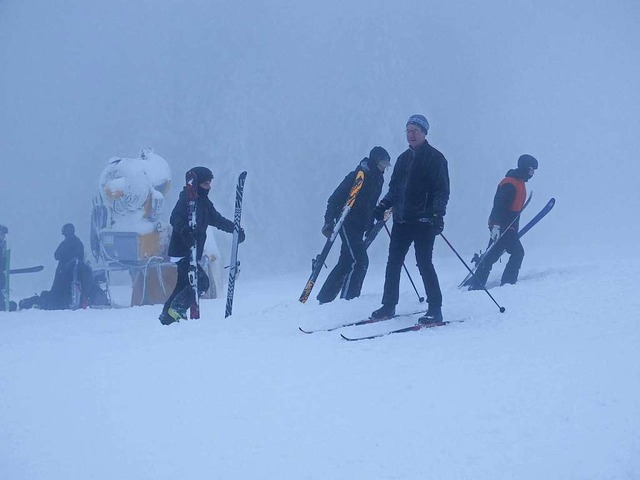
(502, 309)
(421, 299)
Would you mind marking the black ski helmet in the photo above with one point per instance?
(527, 161)
(203, 174)
(379, 154)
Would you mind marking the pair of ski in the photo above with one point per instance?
(479, 258)
(192, 196)
(318, 262)
(369, 321)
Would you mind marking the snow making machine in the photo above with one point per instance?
(127, 227)
(130, 230)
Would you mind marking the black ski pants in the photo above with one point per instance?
(423, 238)
(510, 242)
(348, 274)
(183, 293)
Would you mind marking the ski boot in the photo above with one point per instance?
(433, 315)
(384, 313)
(177, 315)
(166, 319)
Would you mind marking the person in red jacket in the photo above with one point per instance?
(504, 221)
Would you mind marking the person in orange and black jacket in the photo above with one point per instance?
(504, 221)
(348, 274)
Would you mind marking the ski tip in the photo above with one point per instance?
(243, 175)
(349, 339)
(304, 331)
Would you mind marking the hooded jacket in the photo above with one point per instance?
(509, 200)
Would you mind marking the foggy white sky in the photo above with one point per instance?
(298, 93)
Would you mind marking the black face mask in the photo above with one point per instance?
(203, 192)
(524, 174)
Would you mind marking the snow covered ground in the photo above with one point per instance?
(549, 389)
(297, 93)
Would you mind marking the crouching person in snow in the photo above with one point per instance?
(73, 286)
(183, 237)
(504, 220)
(348, 274)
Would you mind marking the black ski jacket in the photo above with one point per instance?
(71, 247)
(361, 214)
(419, 185)
(206, 215)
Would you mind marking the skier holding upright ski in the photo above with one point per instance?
(418, 193)
(184, 237)
(504, 221)
(351, 269)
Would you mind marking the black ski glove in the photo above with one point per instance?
(494, 233)
(188, 237)
(378, 211)
(327, 229)
(241, 235)
(437, 224)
